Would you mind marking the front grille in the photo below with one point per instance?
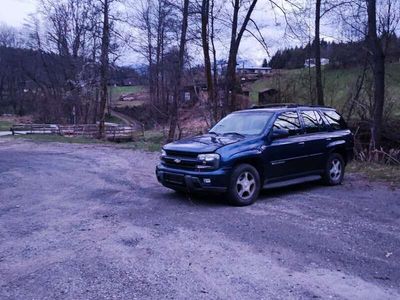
(180, 160)
(181, 154)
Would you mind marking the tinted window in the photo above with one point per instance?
(289, 121)
(311, 122)
(334, 119)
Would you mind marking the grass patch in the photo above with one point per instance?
(5, 125)
(113, 119)
(152, 140)
(339, 85)
(117, 91)
(375, 171)
(49, 138)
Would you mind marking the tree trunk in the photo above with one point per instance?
(105, 47)
(215, 70)
(205, 12)
(174, 113)
(236, 38)
(378, 66)
(317, 45)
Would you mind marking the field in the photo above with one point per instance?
(5, 125)
(339, 85)
(117, 91)
(139, 91)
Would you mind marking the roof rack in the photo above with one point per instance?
(286, 105)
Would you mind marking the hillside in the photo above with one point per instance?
(339, 86)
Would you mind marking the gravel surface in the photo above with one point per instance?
(91, 222)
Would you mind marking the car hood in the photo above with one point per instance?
(206, 143)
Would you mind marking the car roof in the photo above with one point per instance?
(282, 107)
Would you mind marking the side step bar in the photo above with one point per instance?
(291, 181)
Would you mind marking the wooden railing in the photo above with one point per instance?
(35, 128)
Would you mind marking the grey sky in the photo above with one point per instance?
(13, 12)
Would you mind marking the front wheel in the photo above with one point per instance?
(244, 185)
(334, 170)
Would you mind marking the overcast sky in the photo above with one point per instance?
(14, 12)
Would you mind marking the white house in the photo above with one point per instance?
(310, 62)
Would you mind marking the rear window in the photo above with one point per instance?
(335, 120)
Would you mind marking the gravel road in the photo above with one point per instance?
(91, 222)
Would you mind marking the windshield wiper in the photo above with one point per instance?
(233, 133)
(213, 132)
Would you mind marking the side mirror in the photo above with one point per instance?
(280, 134)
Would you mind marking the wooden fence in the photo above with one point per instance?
(113, 132)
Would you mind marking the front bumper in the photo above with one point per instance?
(193, 181)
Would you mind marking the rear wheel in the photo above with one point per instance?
(334, 170)
(244, 185)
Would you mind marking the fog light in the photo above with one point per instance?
(207, 180)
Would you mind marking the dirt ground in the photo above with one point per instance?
(91, 222)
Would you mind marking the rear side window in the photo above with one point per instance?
(312, 121)
(335, 120)
(289, 121)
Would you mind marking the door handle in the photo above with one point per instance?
(301, 143)
(328, 139)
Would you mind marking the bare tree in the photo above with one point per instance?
(205, 38)
(104, 62)
(317, 43)
(174, 116)
(237, 31)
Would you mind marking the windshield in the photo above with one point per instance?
(242, 123)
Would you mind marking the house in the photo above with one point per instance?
(254, 70)
(252, 73)
(310, 62)
(190, 93)
(267, 96)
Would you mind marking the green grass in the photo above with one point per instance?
(375, 171)
(117, 91)
(152, 140)
(339, 85)
(5, 125)
(54, 138)
(114, 119)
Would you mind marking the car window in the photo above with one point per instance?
(243, 123)
(334, 119)
(311, 121)
(290, 121)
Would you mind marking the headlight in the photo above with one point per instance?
(208, 157)
(163, 153)
(208, 161)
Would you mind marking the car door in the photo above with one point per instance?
(283, 156)
(315, 140)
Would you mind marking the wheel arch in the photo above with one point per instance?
(342, 151)
(254, 161)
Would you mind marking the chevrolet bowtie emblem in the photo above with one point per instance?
(177, 160)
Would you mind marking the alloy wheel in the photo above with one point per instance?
(245, 185)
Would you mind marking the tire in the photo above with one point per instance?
(244, 185)
(334, 169)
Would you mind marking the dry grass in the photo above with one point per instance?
(376, 171)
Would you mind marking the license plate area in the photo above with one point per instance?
(174, 178)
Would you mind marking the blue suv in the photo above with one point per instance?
(259, 148)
